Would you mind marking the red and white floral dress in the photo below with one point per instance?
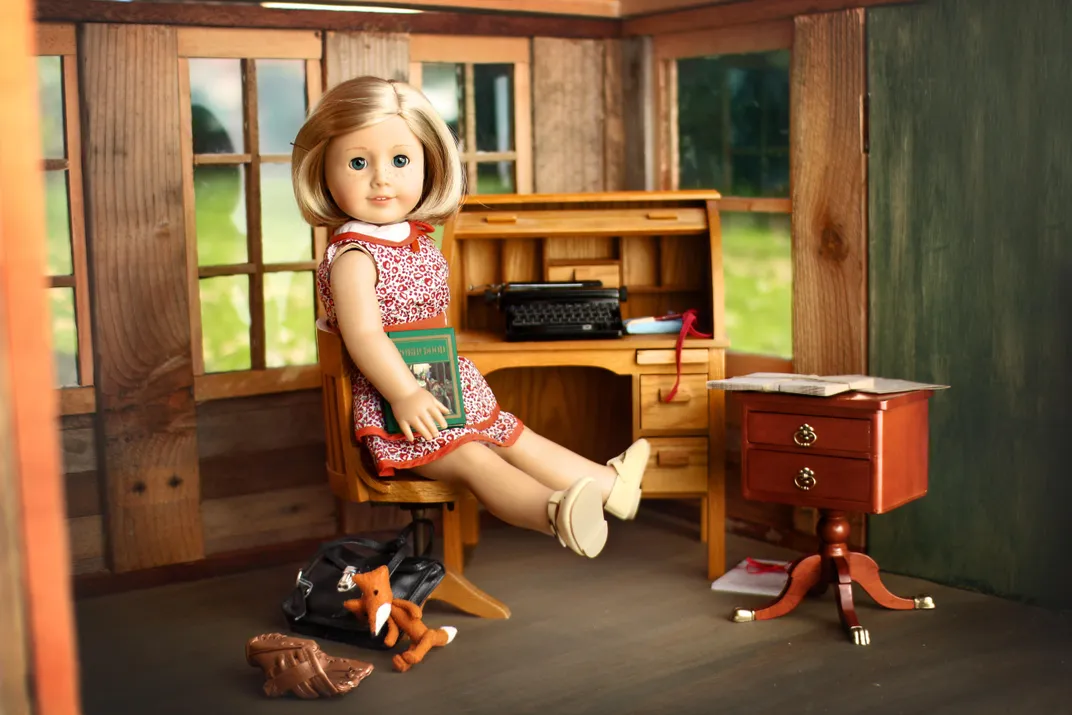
(411, 287)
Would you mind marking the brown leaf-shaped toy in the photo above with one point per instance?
(297, 665)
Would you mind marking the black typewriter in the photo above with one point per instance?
(559, 311)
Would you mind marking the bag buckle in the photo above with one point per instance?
(305, 584)
(346, 582)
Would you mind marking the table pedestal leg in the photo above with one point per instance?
(836, 565)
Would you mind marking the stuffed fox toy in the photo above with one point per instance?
(378, 605)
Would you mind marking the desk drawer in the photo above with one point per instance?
(692, 359)
(809, 432)
(688, 409)
(806, 479)
(581, 222)
(677, 465)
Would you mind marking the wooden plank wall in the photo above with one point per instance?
(829, 194)
(136, 236)
(971, 279)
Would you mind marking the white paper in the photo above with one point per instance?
(738, 580)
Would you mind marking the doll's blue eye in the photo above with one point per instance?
(400, 160)
(357, 163)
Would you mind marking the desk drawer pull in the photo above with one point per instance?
(494, 218)
(805, 436)
(672, 458)
(805, 479)
(662, 215)
(682, 396)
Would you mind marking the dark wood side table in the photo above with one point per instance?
(850, 452)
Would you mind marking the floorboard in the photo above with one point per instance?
(637, 630)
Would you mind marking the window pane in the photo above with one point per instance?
(289, 319)
(758, 267)
(733, 123)
(444, 85)
(494, 85)
(216, 106)
(280, 103)
(495, 178)
(64, 336)
(225, 323)
(57, 223)
(50, 96)
(285, 234)
(220, 209)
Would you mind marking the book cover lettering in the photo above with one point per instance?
(432, 357)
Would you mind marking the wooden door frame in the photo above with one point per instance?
(34, 551)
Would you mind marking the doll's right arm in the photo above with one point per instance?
(357, 312)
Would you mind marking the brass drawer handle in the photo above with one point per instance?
(662, 216)
(500, 218)
(805, 479)
(805, 436)
(680, 397)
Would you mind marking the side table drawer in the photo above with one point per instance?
(806, 479)
(809, 432)
(688, 409)
(676, 465)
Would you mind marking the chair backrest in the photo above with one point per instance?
(348, 474)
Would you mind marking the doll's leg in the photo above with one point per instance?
(553, 465)
(574, 515)
(557, 467)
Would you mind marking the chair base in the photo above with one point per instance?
(458, 591)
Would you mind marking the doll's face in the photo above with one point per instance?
(376, 174)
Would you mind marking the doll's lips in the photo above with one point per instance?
(381, 198)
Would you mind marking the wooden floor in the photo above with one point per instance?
(637, 630)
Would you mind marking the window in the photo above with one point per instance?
(252, 258)
(480, 86)
(730, 132)
(57, 77)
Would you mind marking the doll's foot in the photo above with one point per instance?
(624, 498)
(576, 517)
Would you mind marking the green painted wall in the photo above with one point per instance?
(971, 283)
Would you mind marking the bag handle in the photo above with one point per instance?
(398, 545)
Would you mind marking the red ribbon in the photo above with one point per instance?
(757, 567)
(688, 318)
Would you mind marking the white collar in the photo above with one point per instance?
(388, 232)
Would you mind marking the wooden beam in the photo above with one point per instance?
(243, 43)
(54, 39)
(461, 49)
(828, 82)
(590, 8)
(740, 13)
(38, 660)
(254, 16)
(736, 39)
(145, 375)
(353, 54)
(829, 194)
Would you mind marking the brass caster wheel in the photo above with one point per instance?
(860, 636)
(743, 615)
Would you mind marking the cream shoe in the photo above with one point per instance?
(624, 498)
(576, 517)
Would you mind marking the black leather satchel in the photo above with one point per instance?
(315, 607)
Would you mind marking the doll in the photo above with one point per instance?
(375, 164)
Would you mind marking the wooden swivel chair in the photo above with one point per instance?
(352, 479)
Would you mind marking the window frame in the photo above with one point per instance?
(667, 49)
(60, 40)
(472, 50)
(247, 46)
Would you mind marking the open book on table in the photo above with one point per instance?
(818, 385)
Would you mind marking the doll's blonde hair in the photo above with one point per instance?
(362, 102)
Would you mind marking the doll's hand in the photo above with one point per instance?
(422, 412)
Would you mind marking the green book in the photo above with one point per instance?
(432, 357)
